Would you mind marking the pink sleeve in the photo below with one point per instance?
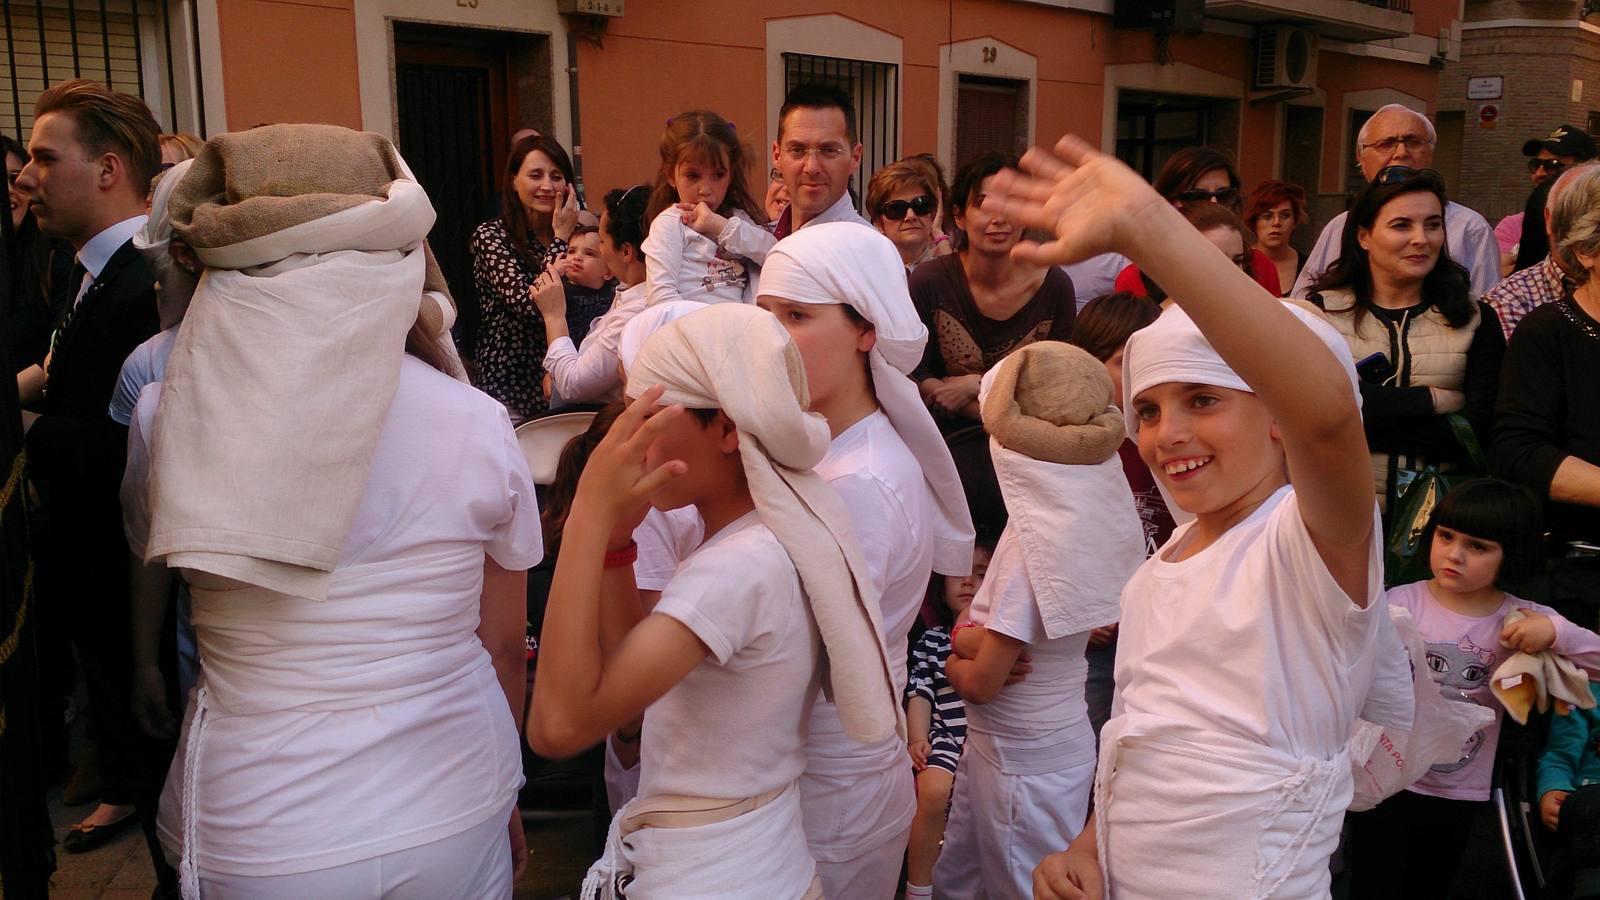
(1575, 642)
(1508, 233)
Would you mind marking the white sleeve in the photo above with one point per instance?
(517, 543)
(1318, 259)
(723, 596)
(1295, 556)
(663, 257)
(586, 374)
(1481, 253)
(135, 375)
(135, 492)
(665, 539)
(742, 237)
(1013, 609)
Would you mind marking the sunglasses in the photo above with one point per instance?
(895, 210)
(1549, 165)
(1225, 196)
(1389, 175)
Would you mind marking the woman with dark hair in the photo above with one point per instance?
(39, 267)
(1196, 175)
(539, 211)
(980, 304)
(1275, 209)
(1424, 346)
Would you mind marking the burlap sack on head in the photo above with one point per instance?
(1052, 402)
(313, 238)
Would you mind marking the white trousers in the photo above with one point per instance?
(472, 865)
(857, 828)
(1002, 824)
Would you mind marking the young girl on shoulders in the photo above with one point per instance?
(1484, 535)
(704, 243)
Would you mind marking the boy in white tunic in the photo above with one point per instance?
(725, 666)
(1246, 642)
(1073, 539)
(840, 291)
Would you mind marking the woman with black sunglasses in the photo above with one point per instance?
(903, 203)
(1425, 347)
(1196, 175)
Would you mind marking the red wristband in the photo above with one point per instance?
(624, 557)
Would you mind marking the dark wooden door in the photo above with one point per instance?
(450, 88)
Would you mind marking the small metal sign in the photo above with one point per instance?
(1488, 115)
(1485, 87)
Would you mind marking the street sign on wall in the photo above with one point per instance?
(1485, 87)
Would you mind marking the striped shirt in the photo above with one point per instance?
(927, 680)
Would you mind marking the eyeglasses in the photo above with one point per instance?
(895, 210)
(1411, 142)
(1549, 165)
(164, 166)
(1242, 260)
(827, 152)
(1226, 196)
(11, 178)
(1402, 174)
(774, 175)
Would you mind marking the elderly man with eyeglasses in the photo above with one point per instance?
(1397, 135)
(816, 153)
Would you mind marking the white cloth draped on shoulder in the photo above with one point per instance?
(738, 359)
(645, 322)
(851, 263)
(314, 241)
(1076, 525)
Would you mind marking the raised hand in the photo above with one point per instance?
(1091, 202)
(549, 294)
(565, 218)
(615, 486)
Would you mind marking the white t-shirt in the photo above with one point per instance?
(1250, 637)
(317, 712)
(890, 507)
(734, 727)
(1047, 707)
(683, 264)
(665, 539)
(147, 364)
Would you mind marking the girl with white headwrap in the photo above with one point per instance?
(1247, 642)
(1071, 542)
(726, 666)
(840, 291)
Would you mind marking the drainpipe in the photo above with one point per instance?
(572, 99)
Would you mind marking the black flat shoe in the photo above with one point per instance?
(82, 838)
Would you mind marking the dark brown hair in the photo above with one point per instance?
(557, 502)
(109, 121)
(703, 136)
(1105, 323)
(512, 214)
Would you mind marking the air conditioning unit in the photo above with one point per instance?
(1286, 58)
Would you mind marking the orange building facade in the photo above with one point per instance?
(1283, 84)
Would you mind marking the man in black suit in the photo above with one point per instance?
(94, 154)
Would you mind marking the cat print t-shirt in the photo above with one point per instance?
(1463, 653)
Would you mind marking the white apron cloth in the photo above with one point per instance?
(1265, 825)
(772, 861)
(1012, 807)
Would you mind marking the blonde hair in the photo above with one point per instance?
(188, 145)
(108, 121)
(1575, 221)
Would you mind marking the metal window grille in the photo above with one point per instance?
(130, 45)
(874, 88)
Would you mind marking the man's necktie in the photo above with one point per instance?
(79, 273)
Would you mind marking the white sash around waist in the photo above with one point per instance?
(759, 853)
(1265, 820)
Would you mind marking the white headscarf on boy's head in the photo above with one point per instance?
(154, 241)
(846, 262)
(645, 323)
(1172, 349)
(737, 358)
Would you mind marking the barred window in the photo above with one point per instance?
(130, 45)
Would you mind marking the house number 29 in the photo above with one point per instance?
(990, 54)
